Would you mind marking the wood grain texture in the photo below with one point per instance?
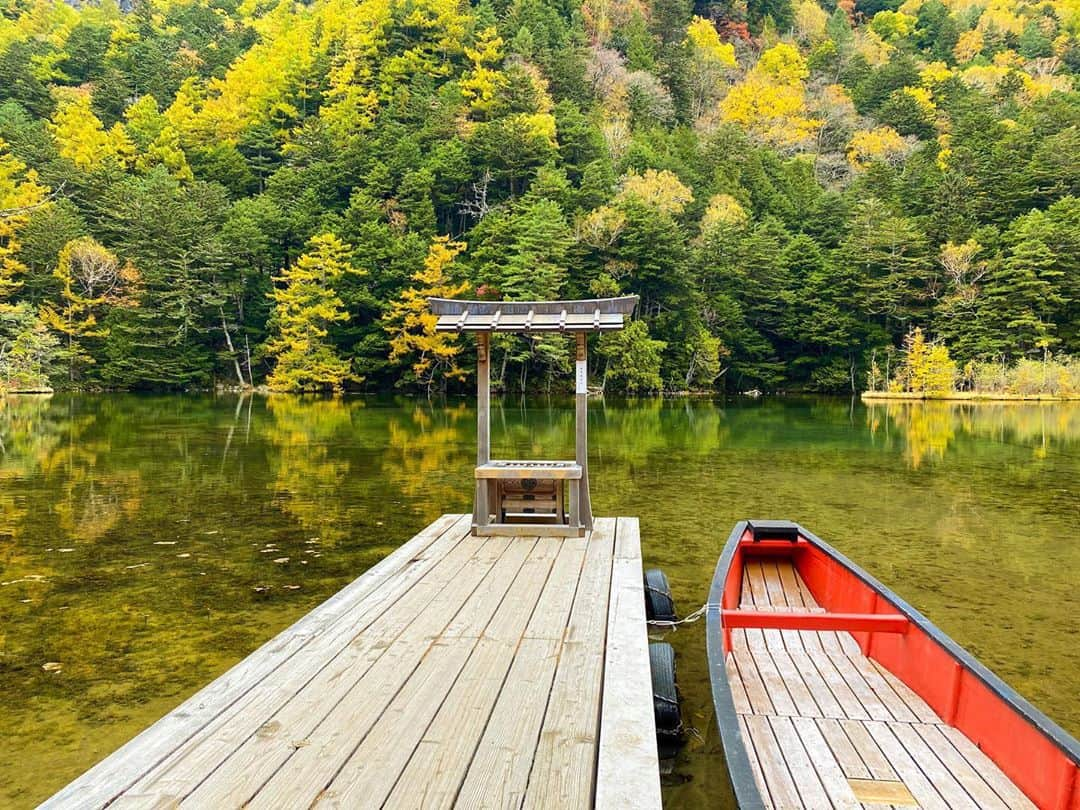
(628, 774)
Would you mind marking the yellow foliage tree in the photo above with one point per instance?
(305, 304)
(411, 325)
(881, 143)
(810, 21)
(660, 189)
(723, 209)
(702, 35)
(81, 137)
(87, 272)
(480, 84)
(926, 367)
(968, 46)
(20, 194)
(771, 101)
(710, 59)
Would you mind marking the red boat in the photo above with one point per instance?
(831, 691)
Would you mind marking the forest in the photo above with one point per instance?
(200, 193)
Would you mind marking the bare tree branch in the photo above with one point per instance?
(6, 213)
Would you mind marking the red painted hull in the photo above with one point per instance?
(1037, 755)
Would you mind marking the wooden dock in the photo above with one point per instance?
(460, 671)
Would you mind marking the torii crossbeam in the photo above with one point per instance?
(515, 497)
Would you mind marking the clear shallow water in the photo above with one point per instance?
(148, 543)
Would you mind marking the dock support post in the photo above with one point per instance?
(584, 518)
(481, 507)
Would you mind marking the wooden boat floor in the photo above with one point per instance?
(825, 726)
(460, 671)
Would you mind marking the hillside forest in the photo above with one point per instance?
(263, 192)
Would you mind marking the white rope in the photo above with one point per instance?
(688, 619)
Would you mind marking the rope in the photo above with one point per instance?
(688, 619)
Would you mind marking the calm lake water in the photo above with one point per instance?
(148, 543)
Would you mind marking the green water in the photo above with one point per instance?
(148, 543)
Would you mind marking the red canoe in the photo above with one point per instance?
(831, 691)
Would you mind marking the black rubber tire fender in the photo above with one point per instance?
(659, 603)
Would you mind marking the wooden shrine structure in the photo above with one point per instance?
(520, 496)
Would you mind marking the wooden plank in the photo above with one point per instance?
(843, 751)
(790, 581)
(739, 695)
(801, 696)
(499, 771)
(370, 773)
(916, 704)
(552, 612)
(558, 470)
(530, 529)
(773, 584)
(802, 770)
(777, 689)
(757, 582)
(838, 687)
(939, 775)
(873, 757)
(827, 703)
(974, 785)
(872, 675)
(750, 678)
(563, 771)
(774, 770)
(434, 774)
(881, 794)
(372, 770)
(628, 769)
(297, 754)
(1002, 785)
(867, 697)
(909, 772)
(746, 593)
(755, 765)
(968, 778)
(826, 766)
(113, 775)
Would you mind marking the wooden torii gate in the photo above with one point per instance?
(526, 497)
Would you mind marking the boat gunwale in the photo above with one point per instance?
(745, 787)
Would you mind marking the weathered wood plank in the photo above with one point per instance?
(960, 768)
(628, 770)
(871, 753)
(750, 678)
(319, 727)
(939, 775)
(434, 773)
(912, 776)
(1002, 785)
(755, 764)
(802, 770)
(782, 791)
(563, 771)
(499, 772)
(916, 704)
(113, 775)
(372, 770)
(825, 764)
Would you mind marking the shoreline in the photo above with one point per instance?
(964, 396)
